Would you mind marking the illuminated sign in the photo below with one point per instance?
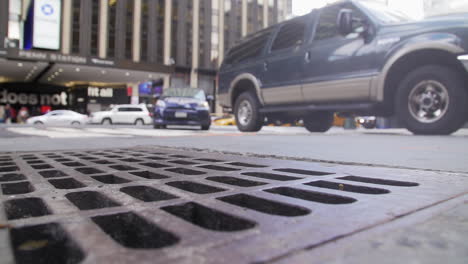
(33, 99)
(100, 92)
(46, 28)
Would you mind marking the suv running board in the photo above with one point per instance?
(318, 107)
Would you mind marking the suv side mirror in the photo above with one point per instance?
(209, 98)
(345, 21)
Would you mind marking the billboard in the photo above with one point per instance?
(46, 25)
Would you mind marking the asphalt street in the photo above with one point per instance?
(385, 147)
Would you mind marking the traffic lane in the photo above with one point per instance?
(398, 149)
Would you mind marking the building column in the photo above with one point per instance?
(195, 43)
(244, 18)
(266, 5)
(221, 33)
(136, 31)
(103, 22)
(66, 26)
(167, 32)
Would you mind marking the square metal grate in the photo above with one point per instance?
(159, 205)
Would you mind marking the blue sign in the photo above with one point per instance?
(47, 9)
(145, 88)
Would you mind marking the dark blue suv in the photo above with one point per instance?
(182, 106)
(353, 57)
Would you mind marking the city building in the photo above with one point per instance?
(87, 54)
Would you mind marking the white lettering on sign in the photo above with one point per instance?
(33, 99)
(46, 27)
(100, 92)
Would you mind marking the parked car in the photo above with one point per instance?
(354, 57)
(59, 117)
(368, 122)
(183, 106)
(123, 114)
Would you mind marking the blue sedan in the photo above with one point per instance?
(182, 106)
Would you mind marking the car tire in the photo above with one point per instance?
(139, 122)
(38, 123)
(207, 127)
(106, 121)
(319, 121)
(431, 100)
(247, 113)
(75, 123)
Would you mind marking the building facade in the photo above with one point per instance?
(120, 44)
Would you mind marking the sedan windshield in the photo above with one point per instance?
(184, 92)
(384, 14)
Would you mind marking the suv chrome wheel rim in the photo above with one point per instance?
(244, 114)
(428, 101)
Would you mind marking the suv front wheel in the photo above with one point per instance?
(247, 113)
(432, 100)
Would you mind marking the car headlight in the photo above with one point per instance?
(204, 106)
(161, 103)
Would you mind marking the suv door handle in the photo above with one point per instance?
(265, 66)
(307, 57)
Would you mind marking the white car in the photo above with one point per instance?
(123, 114)
(59, 117)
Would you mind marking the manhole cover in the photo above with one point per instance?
(157, 205)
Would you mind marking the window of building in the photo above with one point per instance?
(144, 30)
(76, 26)
(129, 29)
(111, 29)
(94, 27)
(290, 35)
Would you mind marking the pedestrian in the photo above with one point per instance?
(2, 114)
(7, 115)
(23, 114)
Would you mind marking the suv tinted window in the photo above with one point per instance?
(130, 109)
(327, 26)
(251, 48)
(290, 35)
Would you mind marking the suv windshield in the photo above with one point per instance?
(384, 14)
(184, 92)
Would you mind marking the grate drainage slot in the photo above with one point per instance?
(29, 157)
(123, 167)
(110, 179)
(63, 160)
(194, 187)
(154, 165)
(235, 181)
(311, 195)
(379, 181)
(88, 170)
(73, 164)
(44, 244)
(17, 188)
(9, 168)
(183, 162)
(154, 158)
(264, 205)
(133, 231)
(248, 165)
(35, 161)
(12, 177)
(304, 172)
(185, 171)
(149, 175)
(88, 158)
(209, 218)
(25, 208)
(147, 194)
(210, 160)
(347, 187)
(218, 168)
(42, 166)
(130, 160)
(103, 162)
(89, 200)
(52, 173)
(271, 176)
(67, 183)
(3, 164)
(180, 156)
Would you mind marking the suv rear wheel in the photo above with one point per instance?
(106, 121)
(318, 121)
(247, 113)
(431, 100)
